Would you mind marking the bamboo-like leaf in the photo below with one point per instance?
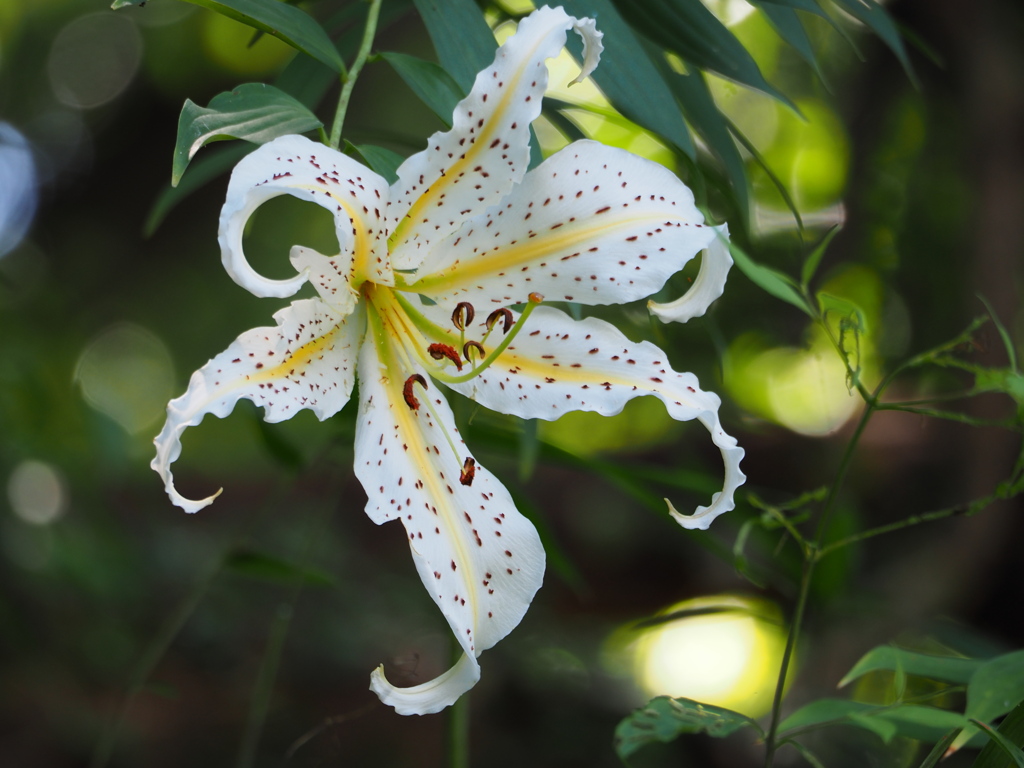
(695, 33)
(778, 284)
(629, 78)
(285, 22)
(664, 719)
(995, 688)
(785, 21)
(255, 112)
(950, 669)
(1007, 747)
(432, 84)
(813, 260)
(204, 170)
(464, 43)
(1011, 729)
(873, 15)
(772, 176)
(703, 114)
(381, 160)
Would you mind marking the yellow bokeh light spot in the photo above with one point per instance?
(724, 650)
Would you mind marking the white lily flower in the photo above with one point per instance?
(464, 227)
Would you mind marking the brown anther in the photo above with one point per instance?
(463, 315)
(440, 351)
(474, 345)
(410, 398)
(504, 313)
(536, 298)
(468, 471)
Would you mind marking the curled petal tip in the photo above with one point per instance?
(592, 47)
(432, 696)
(708, 286)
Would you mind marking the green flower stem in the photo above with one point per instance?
(458, 733)
(349, 81)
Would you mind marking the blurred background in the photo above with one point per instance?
(245, 634)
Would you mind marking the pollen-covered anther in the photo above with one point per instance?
(410, 398)
(470, 346)
(468, 471)
(536, 298)
(442, 351)
(463, 315)
(505, 314)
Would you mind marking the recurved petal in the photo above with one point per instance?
(480, 560)
(592, 224)
(431, 696)
(307, 361)
(557, 364)
(474, 165)
(709, 285)
(294, 165)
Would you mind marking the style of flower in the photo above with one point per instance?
(423, 291)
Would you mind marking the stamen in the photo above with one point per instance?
(468, 471)
(504, 313)
(473, 345)
(410, 398)
(536, 298)
(463, 315)
(441, 351)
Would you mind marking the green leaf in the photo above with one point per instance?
(785, 21)
(995, 688)
(801, 5)
(813, 260)
(761, 161)
(886, 730)
(824, 712)
(204, 170)
(873, 15)
(910, 720)
(285, 22)
(830, 304)
(429, 82)
(951, 669)
(939, 750)
(695, 33)
(703, 114)
(664, 719)
(778, 284)
(1007, 747)
(255, 112)
(381, 160)
(1012, 730)
(259, 565)
(629, 78)
(464, 43)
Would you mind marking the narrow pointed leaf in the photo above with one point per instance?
(204, 170)
(1012, 730)
(429, 82)
(629, 78)
(464, 43)
(813, 260)
(801, 5)
(255, 112)
(664, 719)
(878, 19)
(939, 750)
(995, 689)
(770, 280)
(703, 114)
(1007, 747)
(785, 21)
(696, 34)
(381, 160)
(761, 161)
(285, 22)
(950, 669)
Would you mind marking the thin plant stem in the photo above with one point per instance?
(156, 651)
(458, 724)
(349, 81)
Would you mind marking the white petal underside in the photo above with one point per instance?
(709, 285)
(294, 165)
(473, 166)
(306, 362)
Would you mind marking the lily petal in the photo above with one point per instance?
(583, 226)
(557, 365)
(480, 560)
(709, 285)
(431, 696)
(307, 361)
(294, 165)
(463, 172)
